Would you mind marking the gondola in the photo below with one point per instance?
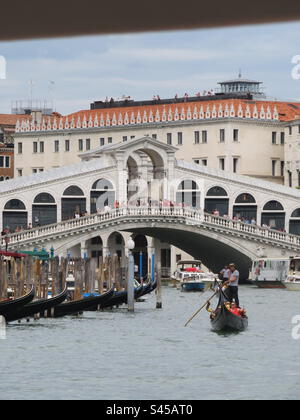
(119, 298)
(38, 307)
(9, 307)
(78, 306)
(223, 319)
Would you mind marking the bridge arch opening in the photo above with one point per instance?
(245, 207)
(188, 194)
(44, 210)
(273, 215)
(102, 194)
(15, 215)
(217, 200)
(294, 225)
(73, 203)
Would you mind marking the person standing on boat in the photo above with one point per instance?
(224, 274)
(233, 282)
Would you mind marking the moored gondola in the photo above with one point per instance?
(222, 319)
(8, 307)
(78, 306)
(119, 298)
(38, 307)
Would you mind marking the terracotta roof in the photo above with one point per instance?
(11, 119)
(287, 110)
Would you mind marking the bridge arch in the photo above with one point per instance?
(294, 221)
(245, 206)
(73, 202)
(44, 210)
(217, 198)
(103, 193)
(15, 215)
(273, 215)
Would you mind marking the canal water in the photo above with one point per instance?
(150, 355)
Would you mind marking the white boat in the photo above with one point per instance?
(292, 281)
(191, 277)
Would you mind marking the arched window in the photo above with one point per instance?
(217, 199)
(245, 198)
(73, 203)
(44, 198)
(273, 206)
(15, 205)
(1, 178)
(245, 208)
(15, 215)
(294, 227)
(188, 193)
(216, 192)
(74, 191)
(273, 215)
(44, 210)
(102, 194)
(296, 213)
(102, 184)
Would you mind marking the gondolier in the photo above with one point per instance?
(233, 282)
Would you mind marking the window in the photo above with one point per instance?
(109, 140)
(299, 128)
(235, 164)
(204, 162)
(197, 137)
(274, 137)
(20, 148)
(42, 148)
(20, 172)
(88, 144)
(282, 137)
(222, 135)
(197, 161)
(132, 137)
(80, 145)
(235, 135)
(154, 136)
(222, 164)
(124, 138)
(290, 179)
(179, 138)
(34, 170)
(169, 138)
(282, 168)
(56, 146)
(204, 136)
(41, 169)
(290, 130)
(102, 141)
(67, 145)
(35, 147)
(274, 167)
(7, 162)
(1, 161)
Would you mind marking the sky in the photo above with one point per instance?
(73, 72)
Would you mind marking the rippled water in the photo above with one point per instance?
(150, 355)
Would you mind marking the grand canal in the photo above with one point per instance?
(150, 355)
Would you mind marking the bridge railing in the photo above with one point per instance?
(190, 215)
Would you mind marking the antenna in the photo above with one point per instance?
(240, 73)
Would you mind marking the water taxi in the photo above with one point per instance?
(191, 277)
(292, 281)
(270, 273)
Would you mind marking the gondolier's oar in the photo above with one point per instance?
(196, 313)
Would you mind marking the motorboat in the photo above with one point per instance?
(191, 277)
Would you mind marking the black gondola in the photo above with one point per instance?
(78, 306)
(11, 306)
(119, 298)
(38, 307)
(222, 319)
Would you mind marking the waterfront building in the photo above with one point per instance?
(234, 130)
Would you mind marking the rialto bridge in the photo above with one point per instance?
(139, 188)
